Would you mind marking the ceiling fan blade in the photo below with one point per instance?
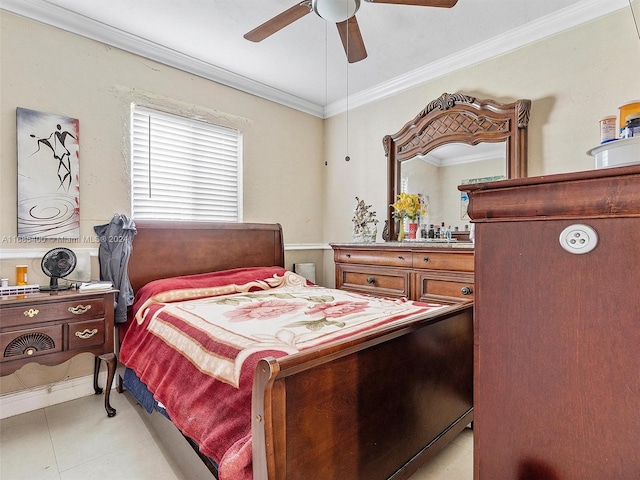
(352, 40)
(277, 23)
(420, 3)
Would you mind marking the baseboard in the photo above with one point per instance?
(23, 401)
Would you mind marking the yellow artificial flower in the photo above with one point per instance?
(408, 205)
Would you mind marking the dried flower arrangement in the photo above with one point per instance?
(364, 223)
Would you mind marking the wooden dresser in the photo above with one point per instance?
(52, 327)
(438, 272)
(557, 327)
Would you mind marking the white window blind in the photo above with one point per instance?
(404, 184)
(184, 169)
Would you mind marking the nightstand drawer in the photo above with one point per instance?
(389, 258)
(31, 313)
(453, 261)
(86, 334)
(430, 286)
(31, 343)
(381, 282)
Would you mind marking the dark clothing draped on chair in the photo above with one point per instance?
(116, 239)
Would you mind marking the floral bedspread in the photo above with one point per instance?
(196, 351)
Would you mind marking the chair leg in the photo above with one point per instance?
(111, 362)
(96, 370)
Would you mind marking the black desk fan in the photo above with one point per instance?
(57, 263)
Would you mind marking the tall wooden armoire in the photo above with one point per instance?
(557, 327)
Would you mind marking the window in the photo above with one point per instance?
(184, 169)
(404, 185)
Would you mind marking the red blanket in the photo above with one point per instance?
(195, 342)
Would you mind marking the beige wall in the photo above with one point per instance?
(573, 79)
(47, 69)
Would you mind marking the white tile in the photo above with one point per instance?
(453, 462)
(144, 460)
(35, 417)
(77, 441)
(94, 435)
(88, 406)
(26, 451)
(465, 440)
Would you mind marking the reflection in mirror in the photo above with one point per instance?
(436, 177)
(453, 121)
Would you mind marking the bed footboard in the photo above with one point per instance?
(376, 407)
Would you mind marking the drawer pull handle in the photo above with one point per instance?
(425, 259)
(32, 312)
(86, 333)
(466, 290)
(400, 257)
(80, 309)
(348, 255)
(371, 280)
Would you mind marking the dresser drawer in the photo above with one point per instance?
(31, 342)
(453, 261)
(389, 258)
(86, 334)
(380, 282)
(429, 286)
(32, 313)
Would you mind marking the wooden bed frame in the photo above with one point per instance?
(375, 407)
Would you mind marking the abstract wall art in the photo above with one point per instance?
(48, 175)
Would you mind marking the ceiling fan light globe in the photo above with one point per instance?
(335, 10)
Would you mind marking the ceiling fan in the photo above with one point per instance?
(340, 12)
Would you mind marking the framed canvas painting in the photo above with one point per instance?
(464, 197)
(48, 175)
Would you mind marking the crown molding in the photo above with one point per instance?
(457, 159)
(572, 16)
(53, 15)
(565, 19)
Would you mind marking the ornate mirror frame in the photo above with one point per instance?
(458, 118)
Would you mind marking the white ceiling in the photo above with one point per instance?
(304, 65)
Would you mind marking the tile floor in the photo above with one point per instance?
(76, 441)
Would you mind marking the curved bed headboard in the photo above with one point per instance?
(168, 249)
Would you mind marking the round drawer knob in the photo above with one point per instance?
(466, 290)
(348, 255)
(371, 280)
(425, 259)
(30, 351)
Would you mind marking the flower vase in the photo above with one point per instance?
(401, 231)
(413, 229)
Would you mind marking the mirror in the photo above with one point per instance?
(483, 139)
(436, 177)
